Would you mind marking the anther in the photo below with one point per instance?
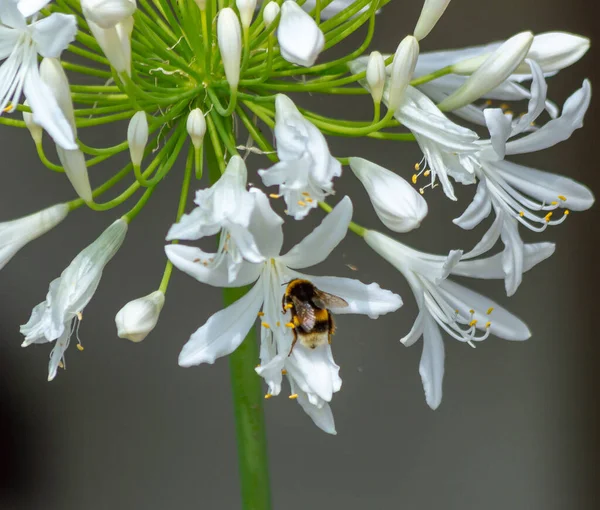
(488, 102)
(490, 310)
(487, 325)
(266, 325)
(301, 203)
(284, 372)
(310, 200)
(61, 364)
(261, 314)
(471, 311)
(290, 325)
(554, 202)
(278, 323)
(473, 323)
(79, 347)
(562, 197)
(275, 195)
(414, 178)
(547, 217)
(521, 213)
(422, 191)
(268, 396)
(293, 396)
(306, 193)
(566, 213)
(509, 112)
(427, 173)
(79, 316)
(288, 306)
(504, 106)
(417, 167)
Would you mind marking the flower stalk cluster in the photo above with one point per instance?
(196, 83)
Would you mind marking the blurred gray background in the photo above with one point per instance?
(124, 427)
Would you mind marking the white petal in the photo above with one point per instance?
(193, 226)
(431, 366)
(365, 299)
(398, 205)
(321, 416)
(76, 171)
(512, 257)
(317, 368)
(415, 332)
(224, 331)
(265, 226)
(300, 38)
(53, 34)
(29, 7)
(556, 130)
(545, 186)
(189, 259)
(504, 324)
(58, 353)
(489, 239)
(319, 244)
(500, 127)
(491, 267)
(479, 209)
(430, 14)
(537, 103)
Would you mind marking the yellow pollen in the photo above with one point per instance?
(8, 108)
(301, 203)
(473, 323)
(488, 324)
(562, 197)
(310, 200)
(284, 372)
(268, 396)
(471, 311)
(288, 306)
(490, 310)
(261, 314)
(293, 397)
(266, 325)
(290, 325)
(414, 179)
(417, 166)
(79, 316)
(427, 172)
(554, 202)
(306, 193)
(275, 195)
(521, 213)
(547, 217)
(566, 213)
(79, 347)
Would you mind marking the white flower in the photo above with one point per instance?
(306, 168)
(552, 51)
(430, 14)
(300, 38)
(399, 206)
(333, 8)
(54, 77)
(229, 35)
(111, 24)
(17, 233)
(196, 127)
(519, 194)
(137, 136)
(139, 317)
(54, 318)
(313, 374)
(465, 315)
(225, 207)
(402, 69)
(20, 45)
(376, 75)
(494, 70)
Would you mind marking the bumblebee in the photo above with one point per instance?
(312, 321)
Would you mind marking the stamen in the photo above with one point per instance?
(547, 217)
(79, 316)
(427, 173)
(289, 306)
(261, 314)
(61, 364)
(490, 310)
(293, 396)
(488, 102)
(504, 106)
(414, 178)
(268, 396)
(488, 324)
(521, 213)
(554, 202)
(567, 212)
(266, 325)
(79, 347)
(275, 195)
(284, 372)
(473, 323)
(562, 197)
(417, 167)
(306, 193)
(290, 325)
(301, 203)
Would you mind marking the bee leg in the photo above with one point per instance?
(293, 342)
(331, 327)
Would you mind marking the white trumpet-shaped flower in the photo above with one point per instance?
(462, 313)
(300, 38)
(55, 318)
(313, 374)
(399, 206)
(139, 317)
(17, 233)
(306, 168)
(22, 38)
(225, 207)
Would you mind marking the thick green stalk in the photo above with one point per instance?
(247, 400)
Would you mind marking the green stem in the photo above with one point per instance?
(247, 400)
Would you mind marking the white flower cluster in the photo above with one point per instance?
(424, 93)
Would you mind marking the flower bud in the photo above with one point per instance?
(403, 67)
(139, 317)
(376, 75)
(107, 13)
(300, 38)
(246, 9)
(53, 75)
(17, 233)
(397, 204)
(230, 43)
(492, 72)
(554, 51)
(35, 129)
(137, 136)
(196, 127)
(430, 14)
(270, 12)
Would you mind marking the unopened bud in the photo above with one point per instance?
(376, 75)
(137, 136)
(496, 68)
(107, 13)
(246, 9)
(430, 14)
(403, 67)
(270, 12)
(34, 128)
(139, 317)
(230, 43)
(196, 127)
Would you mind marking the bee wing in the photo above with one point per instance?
(305, 313)
(326, 300)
